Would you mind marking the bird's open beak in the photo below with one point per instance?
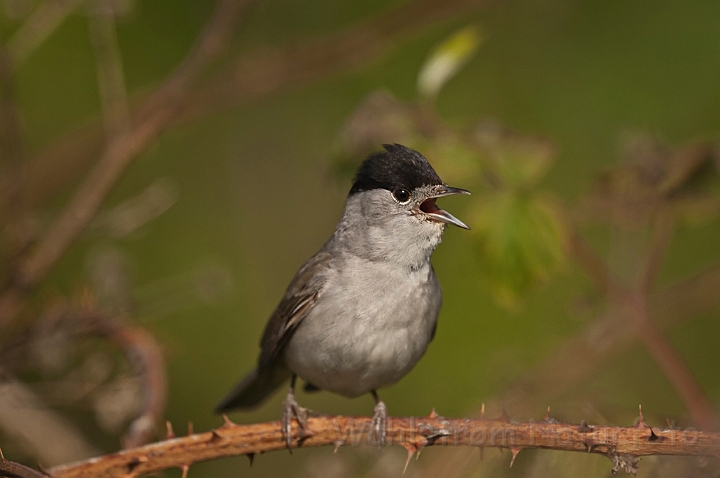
(430, 208)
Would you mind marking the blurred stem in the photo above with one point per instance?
(12, 150)
(591, 263)
(662, 233)
(111, 81)
(37, 28)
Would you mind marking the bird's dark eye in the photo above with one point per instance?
(401, 195)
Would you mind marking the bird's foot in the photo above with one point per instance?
(292, 409)
(379, 423)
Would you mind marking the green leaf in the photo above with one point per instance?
(447, 59)
(519, 242)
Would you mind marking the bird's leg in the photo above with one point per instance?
(292, 409)
(379, 420)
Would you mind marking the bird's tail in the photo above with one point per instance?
(254, 388)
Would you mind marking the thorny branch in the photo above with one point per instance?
(623, 445)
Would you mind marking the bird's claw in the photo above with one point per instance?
(379, 423)
(292, 409)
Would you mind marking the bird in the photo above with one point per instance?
(359, 314)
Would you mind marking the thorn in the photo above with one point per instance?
(584, 428)
(251, 457)
(482, 411)
(432, 414)
(185, 469)
(515, 452)
(190, 428)
(641, 421)
(170, 433)
(653, 436)
(591, 448)
(132, 464)
(548, 418)
(2, 457)
(214, 436)
(504, 417)
(338, 444)
(411, 451)
(227, 421)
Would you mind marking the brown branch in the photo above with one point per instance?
(623, 445)
(157, 114)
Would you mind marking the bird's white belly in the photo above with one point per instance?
(365, 362)
(370, 343)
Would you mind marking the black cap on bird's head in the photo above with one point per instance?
(401, 171)
(397, 166)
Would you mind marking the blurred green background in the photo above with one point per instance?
(252, 192)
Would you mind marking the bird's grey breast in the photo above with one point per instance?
(370, 325)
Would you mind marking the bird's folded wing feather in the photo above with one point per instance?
(299, 298)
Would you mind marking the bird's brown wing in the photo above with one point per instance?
(299, 298)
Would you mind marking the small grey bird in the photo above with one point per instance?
(360, 313)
